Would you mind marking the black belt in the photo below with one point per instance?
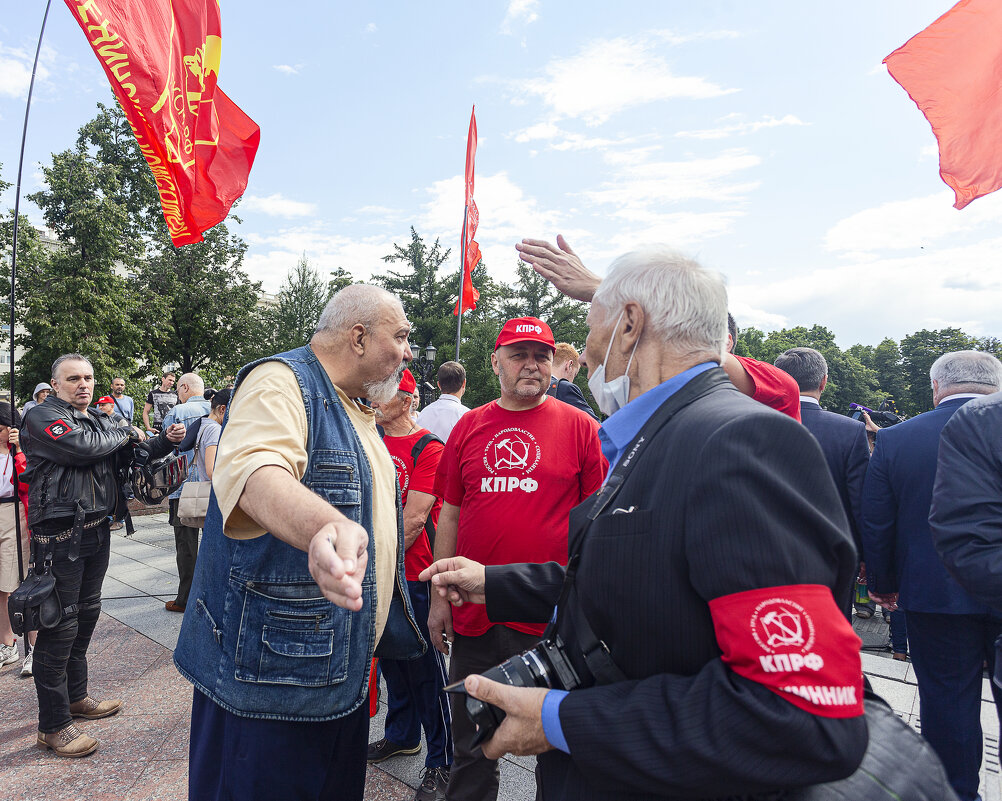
(62, 536)
(7, 499)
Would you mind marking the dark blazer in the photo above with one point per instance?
(728, 496)
(570, 393)
(966, 515)
(843, 442)
(897, 493)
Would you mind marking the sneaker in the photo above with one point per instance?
(384, 749)
(28, 660)
(433, 784)
(9, 654)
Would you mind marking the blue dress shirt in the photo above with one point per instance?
(616, 434)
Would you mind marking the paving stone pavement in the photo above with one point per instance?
(144, 750)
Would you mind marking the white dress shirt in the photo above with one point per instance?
(440, 416)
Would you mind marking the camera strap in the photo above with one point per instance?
(595, 652)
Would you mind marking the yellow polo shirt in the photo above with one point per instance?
(267, 426)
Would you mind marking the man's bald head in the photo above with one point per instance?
(189, 386)
(358, 304)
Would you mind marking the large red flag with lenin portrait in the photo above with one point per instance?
(471, 250)
(162, 59)
(951, 70)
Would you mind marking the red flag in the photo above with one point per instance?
(471, 250)
(162, 59)
(951, 71)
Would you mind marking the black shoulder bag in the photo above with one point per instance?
(34, 605)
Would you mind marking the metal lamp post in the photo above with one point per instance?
(422, 364)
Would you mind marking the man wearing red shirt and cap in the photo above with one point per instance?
(510, 474)
(414, 686)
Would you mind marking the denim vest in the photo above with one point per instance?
(258, 638)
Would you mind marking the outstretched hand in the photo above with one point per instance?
(337, 561)
(560, 266)
(458, 579)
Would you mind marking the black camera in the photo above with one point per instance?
(544, 665)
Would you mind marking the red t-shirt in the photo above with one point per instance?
(420, 478)
(773, 387)
(515, 477)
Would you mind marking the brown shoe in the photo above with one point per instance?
(173, 606)
(900, 656)
(90, 709)
(68, 742)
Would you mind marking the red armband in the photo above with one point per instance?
(795, 641)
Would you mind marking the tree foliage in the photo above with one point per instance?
(293, 318)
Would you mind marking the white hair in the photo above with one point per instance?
(194, 382)
(685, 302)
(354, 305)
(974, 370)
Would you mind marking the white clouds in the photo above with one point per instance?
(277, 205)
(287, 69)
(638, 186)
(371, 28)
(15, 70)
(910, 224)
(610, 75)
(734, 126)
(520, 12)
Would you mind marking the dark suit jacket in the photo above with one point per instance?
(843, 442)
(728, 496)
(570, 393)
(966, 515)
(897, 493)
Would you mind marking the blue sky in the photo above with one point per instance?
(764, 138)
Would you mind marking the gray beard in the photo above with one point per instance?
(384, 391)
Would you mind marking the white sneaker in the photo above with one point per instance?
(26, 665)
(9, 654)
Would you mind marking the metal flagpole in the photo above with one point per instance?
(13, 278)
(462, 281)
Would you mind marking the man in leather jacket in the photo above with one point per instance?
(74, 483)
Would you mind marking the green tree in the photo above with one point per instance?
(301, 299)
(890, 371)
(73, 299)
(918, 352)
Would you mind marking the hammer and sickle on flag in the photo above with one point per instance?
(162, 60)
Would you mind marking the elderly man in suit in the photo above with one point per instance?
(842, 439)
(683, 617)
(950, 633)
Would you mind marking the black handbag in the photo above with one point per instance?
(899, 765)
(34, 605)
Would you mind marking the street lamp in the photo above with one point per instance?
(422, 365)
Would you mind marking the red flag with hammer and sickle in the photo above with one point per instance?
(162, 59)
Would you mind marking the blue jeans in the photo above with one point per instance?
(899, 632)
(414, 693)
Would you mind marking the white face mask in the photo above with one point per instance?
(611, 396)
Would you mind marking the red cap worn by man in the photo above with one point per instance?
(510, 474)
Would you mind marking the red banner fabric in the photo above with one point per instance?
(951, 71)
(471, 249)
(162, 59)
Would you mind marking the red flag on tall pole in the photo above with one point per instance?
(469, 295)
(162, 59)
(951, 70)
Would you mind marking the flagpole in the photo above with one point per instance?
(13, 278)
(462, 281)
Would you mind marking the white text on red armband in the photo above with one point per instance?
(794, 641)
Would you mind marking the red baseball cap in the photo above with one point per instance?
(105, 399)
(407, 382)
(525, 329)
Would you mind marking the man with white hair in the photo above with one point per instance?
(191, 405)
(716, 538)
(301, 575)
(950, 633)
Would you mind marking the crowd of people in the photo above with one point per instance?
(668, 585)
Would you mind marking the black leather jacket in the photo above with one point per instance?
(78, 458)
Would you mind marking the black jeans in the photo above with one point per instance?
(186, 546)
(473, 776)
(60, 667)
